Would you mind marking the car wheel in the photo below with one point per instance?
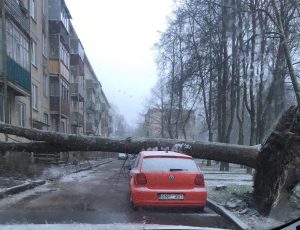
(134, 208)
(201, 209)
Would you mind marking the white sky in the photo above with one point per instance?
(118, 36)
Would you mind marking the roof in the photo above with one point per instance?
(164, 154)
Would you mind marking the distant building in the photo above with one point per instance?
(156, 124)
(77, 83)
(97, 108)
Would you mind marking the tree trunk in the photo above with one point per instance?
(54, 142)
(281, 148)
(224, 166)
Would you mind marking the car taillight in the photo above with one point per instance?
(140, 179)
(199, 180)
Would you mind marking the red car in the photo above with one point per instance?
(166, 179)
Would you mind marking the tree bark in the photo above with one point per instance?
(57, 142)
(280, 149)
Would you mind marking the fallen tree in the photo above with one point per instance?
(58, 142)
(280, 149)
(270, 160)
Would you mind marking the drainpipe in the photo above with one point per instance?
(4, 65)
(30, 54)
(60, 88)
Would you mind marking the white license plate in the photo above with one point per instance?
(170, 196)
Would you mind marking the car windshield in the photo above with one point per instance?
(89, 88)
(168, 164)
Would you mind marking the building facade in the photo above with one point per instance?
(77, 83)
(47, 81)
(39, 64)
(59, 65)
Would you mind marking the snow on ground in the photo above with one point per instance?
(213, 180)
(233, 189)
(53, 172)
(12, 199)
(99, 227)
(6, 182)
(75, 177)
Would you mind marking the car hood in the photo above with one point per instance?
(120, 226)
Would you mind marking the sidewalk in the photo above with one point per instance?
(10, 185)
(232, 192)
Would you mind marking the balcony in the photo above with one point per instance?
(77, 91)
(90, 84)
(19, 13)
(90, 105)
(77, 65)
(55, 103)
(76, 48)
(77, 119)
(18, 77)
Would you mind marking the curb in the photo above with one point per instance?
(33, 184)
(91, 167)
(21, 188)
(102, 163)
(226, 214)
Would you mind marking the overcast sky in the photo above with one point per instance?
(118, 37)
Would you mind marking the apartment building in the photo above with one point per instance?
(59, 65)
(47, 81)
(15, 65)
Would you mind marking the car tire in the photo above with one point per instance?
(133, 207)
(201, 209)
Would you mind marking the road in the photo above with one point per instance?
(98, 196)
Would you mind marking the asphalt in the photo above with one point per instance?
(96, 196)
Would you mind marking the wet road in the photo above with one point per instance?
(98, 196)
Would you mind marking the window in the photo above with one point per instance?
(166, 164)
(45, 45)
(46, 85)
(34, 96)
(33, 53)
(32, 8)
(65, 19)
(64, 55)
(54, 87)
(65, 91)
(54, 123)
(136, 162)
(22, 114)
(17, 45)
(74, 105)
(62, 127)
(46, 120)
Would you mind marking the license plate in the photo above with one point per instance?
(170, 196)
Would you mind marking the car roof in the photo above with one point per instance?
(164, 154)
